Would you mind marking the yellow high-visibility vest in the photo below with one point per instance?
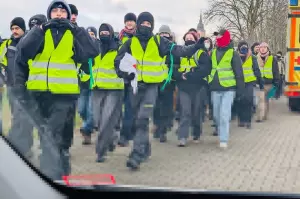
(151, 66)
(223, 69)
(3, 50)
(267, 71)
(104, 72)
(248, 70)
(187, 63)
(54, 69)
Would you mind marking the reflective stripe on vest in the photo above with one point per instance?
(267, 71)
(3, 51)
(151, 66)
(248, 70)
(104, 72)
(54, 69)
(223, 69)
(187, 63)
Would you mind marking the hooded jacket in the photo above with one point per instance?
(111, 45)
(33, 43)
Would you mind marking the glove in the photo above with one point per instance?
(53, 23)
(200, 43)
(130, 76)
(261, 86)
(67, 24)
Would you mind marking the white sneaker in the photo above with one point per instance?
(223, 145)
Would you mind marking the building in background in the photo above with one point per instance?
(200, 27)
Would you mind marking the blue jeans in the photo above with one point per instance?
(222, 102)
(85, 110)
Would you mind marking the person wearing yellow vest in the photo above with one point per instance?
(225, 82)
(150, 52)
(48, 87)
(125, 34)
(268, 66)
(108, 91)
(85, 109)
(190, 82)
(21, 132)
(163, 110)
(252, 77)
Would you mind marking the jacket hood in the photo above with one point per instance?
(113, 44)
(62, 2)
(110, 28)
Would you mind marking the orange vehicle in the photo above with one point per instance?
(292, 78)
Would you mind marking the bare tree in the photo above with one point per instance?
(252, 20)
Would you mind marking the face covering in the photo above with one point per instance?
(244, 51)
(168, 38)
(144, 30)
(207, 45)
(189, 42)
(104, 38)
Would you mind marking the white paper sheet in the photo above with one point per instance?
(128, 64)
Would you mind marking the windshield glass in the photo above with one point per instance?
(156, 93)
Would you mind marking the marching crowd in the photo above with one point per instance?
(58, 67)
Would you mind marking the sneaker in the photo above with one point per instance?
(241, 124)
(182, 142)
(196, 140)
(215, 133)
(163, 138)
(223, 145)
(248, 126)
(123, 142)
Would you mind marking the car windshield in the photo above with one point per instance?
(154, 93)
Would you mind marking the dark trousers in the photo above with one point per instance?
(106, 104)
(68, 132)
(234, 110)
(163, 111)
(245, 105)
(191, 105)
(58, 114)
(21, 131)
(143, 104)
(127, 120)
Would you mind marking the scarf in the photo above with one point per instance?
(126, 31)
(261, 60)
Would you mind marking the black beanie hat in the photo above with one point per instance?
(73, 9)
(129, 17)
(146, 16)
(92, 29)
(38, 19)
(18, 21)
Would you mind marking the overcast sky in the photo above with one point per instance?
(178, 14)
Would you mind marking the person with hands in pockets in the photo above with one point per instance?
(55, 48)
(149, 50)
